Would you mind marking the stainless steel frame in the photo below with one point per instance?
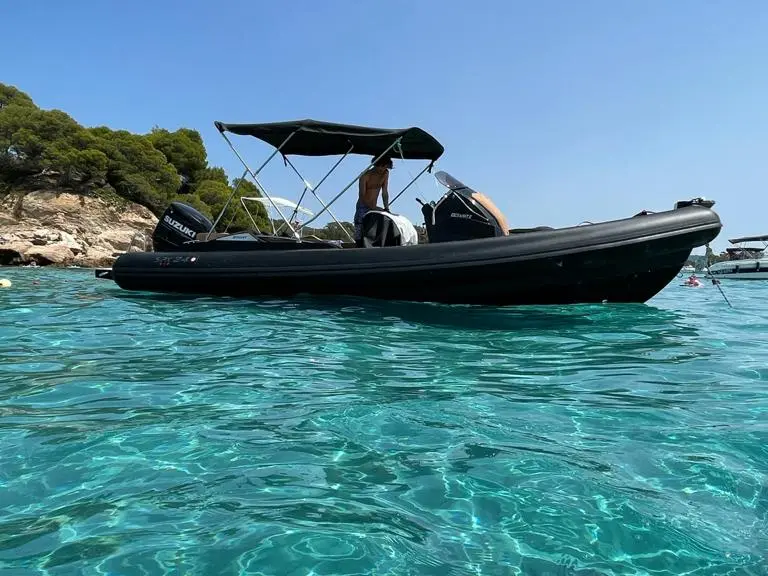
(370, 164)
(396, 144)
(308, 186)
(256, 181)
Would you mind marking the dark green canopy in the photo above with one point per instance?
(316, 138)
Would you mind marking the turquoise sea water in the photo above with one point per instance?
(144, 435)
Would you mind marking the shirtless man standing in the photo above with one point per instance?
(371, 183)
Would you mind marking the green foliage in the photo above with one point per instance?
(258, 211)
(12, 95)
(213, 193)
(111, 197)
(197, 204)
(211, 173)
(183, 149)
(246, 188)
(138, 171)
(332, 231)
(86, 165)
(150, 169)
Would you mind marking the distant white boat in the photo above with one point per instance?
(744, 262)
(687, 269)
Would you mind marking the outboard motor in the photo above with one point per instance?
(381, 228)
(462, 214)
(179, 223)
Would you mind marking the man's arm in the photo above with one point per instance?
(360, 187)
(385, 191)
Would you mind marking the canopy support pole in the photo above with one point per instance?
(251, 217)
(226, 204)
(427, 167)
(308, 186)
(372, 163)
(256, 180)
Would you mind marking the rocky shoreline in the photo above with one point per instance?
(48, 228)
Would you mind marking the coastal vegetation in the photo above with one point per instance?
(150, 169)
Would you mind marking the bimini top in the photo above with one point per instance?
(316, 138)
(761, 238)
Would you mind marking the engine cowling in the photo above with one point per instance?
(179, 223)
(462, 214)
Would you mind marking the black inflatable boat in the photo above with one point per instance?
(470, 256)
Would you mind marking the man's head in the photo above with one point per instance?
(382, 165)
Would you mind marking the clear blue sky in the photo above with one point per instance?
(560, 111)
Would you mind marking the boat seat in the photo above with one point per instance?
(488, 204)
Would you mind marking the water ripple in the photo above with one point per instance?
(142, 435)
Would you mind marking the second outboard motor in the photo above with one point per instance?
(462, 214)
(179, 223)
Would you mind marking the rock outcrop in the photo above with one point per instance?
(66, 229)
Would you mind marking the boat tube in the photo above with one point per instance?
(470, 255)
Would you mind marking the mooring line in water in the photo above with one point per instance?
(715, 281)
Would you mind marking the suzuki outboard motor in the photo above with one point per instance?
(462, 214)
(179, 223)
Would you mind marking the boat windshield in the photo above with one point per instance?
(449, 181)
(278, 201)
(294, 212)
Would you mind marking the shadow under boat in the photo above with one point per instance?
(370, 311)
(471, 255)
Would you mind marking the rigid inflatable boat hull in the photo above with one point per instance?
(626, 260)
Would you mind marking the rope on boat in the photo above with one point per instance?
(715, 281)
